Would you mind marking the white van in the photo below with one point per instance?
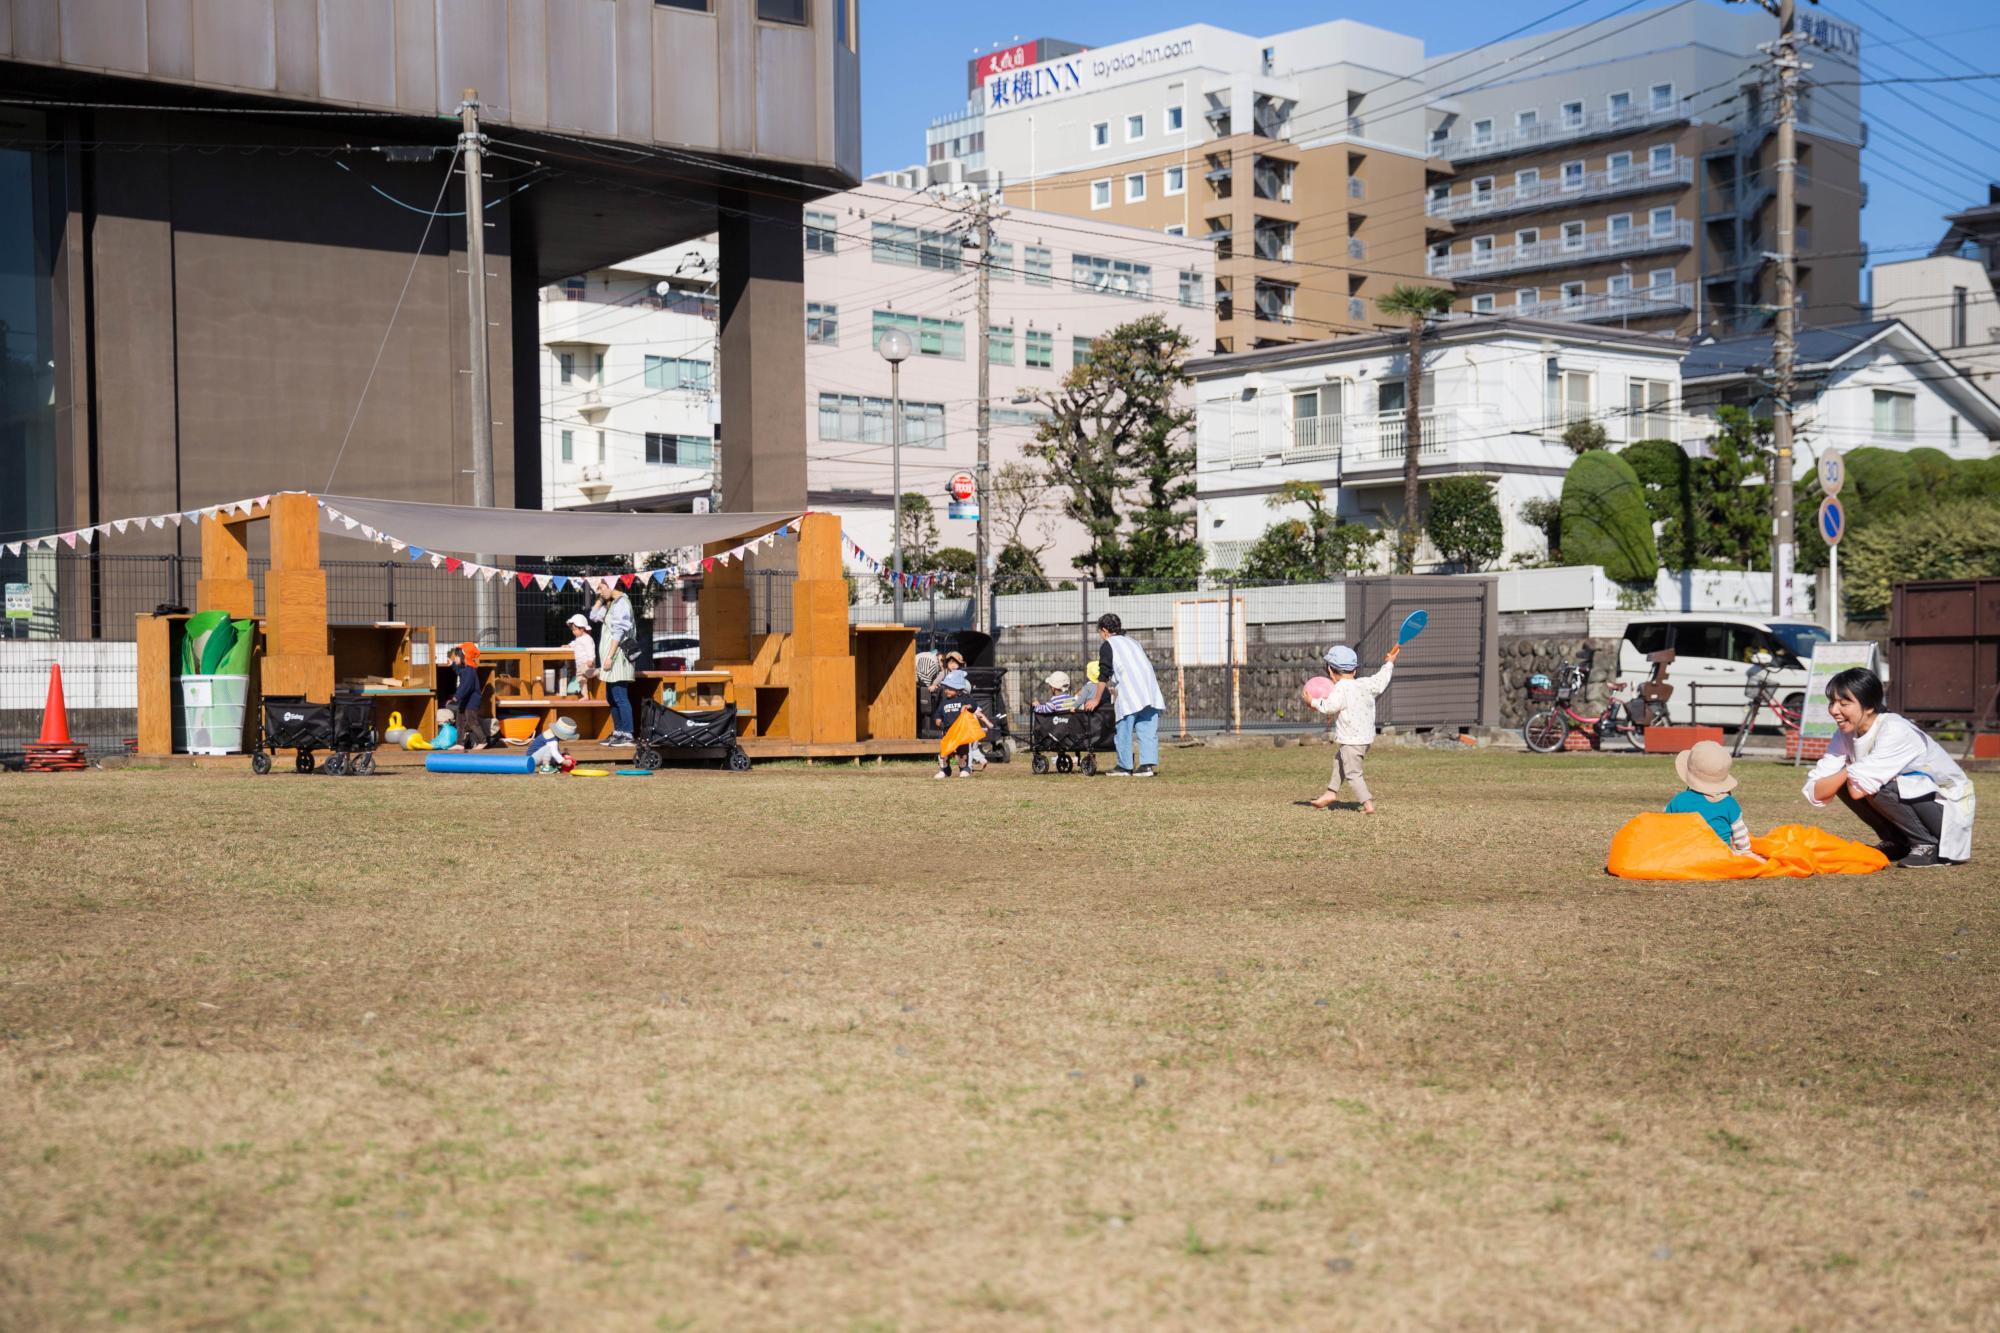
(1713, 654)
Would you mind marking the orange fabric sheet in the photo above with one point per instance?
(1656, 846)
(965, 730)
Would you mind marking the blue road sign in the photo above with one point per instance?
(1832, 520)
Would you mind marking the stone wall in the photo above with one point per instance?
(1523, 655)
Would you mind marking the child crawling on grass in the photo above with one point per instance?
(1351, 704)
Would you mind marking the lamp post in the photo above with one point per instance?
(896, 348)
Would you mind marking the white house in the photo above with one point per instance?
(1498, 393)
(1872, 383)
(1949, 302)
(629, 395)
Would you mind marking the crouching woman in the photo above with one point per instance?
(1893, 776)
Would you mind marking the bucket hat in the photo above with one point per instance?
(1342, 658)
(470, 651)
(1704, 767)
(565, 728)
(957, 680)
(577, 622)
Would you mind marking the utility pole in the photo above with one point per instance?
(471, 143)
(982, 548)
(1784, 345)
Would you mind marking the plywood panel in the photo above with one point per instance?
(295, 611)
(310, 677)
(156, 685)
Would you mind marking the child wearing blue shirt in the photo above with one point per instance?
(1705, 770)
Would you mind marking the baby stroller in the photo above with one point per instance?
(1069, 742)
(712, 733)
(346, 727)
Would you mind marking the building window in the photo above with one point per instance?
(1135, 187)
(670, 372)
(567, 360)
(1176, 119)
(1572, 115)
(600, 446)
(1619, 105)
(1958, 312)
(1572, 236)
(1663, 222)
(1895, 415)
(1619, 225)
(1041, 266)
(783, 11)
(1482, 131)
(1482, 305)
(1079, 350)
(698, 6)
(1014, 416)
(1176, 180)
(1039, 350)
(1100, 193)
(1527, 296)
(892, 243)
(1661, 278)
(1482, 192)
(999, 345)
(1440, 197)
(680, 450)
(932, 337)
(575, 289)
(1660, 160)
(1617, 168)
(1135, 128)
(1525, 120)
(844, 416)
(1528, 237)
(822, 323)
(1000, 261)
(1100, 134)
(1647, 403)
(1573, 387)
(1191, 287)
(1527, 179)
(1572, 294)
(819, 232)
(1177, 229)
(1573, 175)
(1118, 277)
(1357, 309)
(1662, 96)
(1482, 249)
(1619, 284)
(569, 446)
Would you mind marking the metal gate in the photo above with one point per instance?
(1451, 675)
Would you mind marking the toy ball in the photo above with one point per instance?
(1317, 689)
(566, 763)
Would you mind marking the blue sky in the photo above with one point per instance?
(1931, 148)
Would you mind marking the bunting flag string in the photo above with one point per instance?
(944, 579)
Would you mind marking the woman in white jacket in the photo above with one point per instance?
(1894, 777)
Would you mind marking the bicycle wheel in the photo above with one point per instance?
(1615, 724)
(1546, 731)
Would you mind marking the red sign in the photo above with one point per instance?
(1004, 62)
(960, 487)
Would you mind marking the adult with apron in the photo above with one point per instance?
(1894, 777)
(617, 646)
(1135, 699)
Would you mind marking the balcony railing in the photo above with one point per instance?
(1597, 307)
(1542, 194)
(1253, 434)
(1558, 253)
(1521, 139)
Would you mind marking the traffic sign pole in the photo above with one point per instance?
(1832, 527)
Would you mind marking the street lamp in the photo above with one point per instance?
(896, 348)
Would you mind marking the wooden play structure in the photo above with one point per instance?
(822, 689)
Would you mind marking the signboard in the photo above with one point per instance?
(1832, 520)
(961, 487)
(1015, 57)
(1829, 660)
(966, 509)
(1090, 70)
(1202, 635)
(1830, 35)
(1832, 472)
(20, 601)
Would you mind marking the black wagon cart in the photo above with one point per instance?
(1069, 742)
(345, 728)
(709, 734)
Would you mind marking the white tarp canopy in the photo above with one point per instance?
(466, 529)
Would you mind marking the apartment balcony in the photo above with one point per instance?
(1636, 179)
(1559, 253)
(1524, 139)
(1602, 307)
(1377, 444)
(1248, 436)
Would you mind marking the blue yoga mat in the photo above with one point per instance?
(478, 763)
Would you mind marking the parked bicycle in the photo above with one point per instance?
(1762, 691)
(1623, 720)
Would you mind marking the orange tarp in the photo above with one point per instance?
(1655, 846)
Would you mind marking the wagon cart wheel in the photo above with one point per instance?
(1090, 765)
(1040, 763)
(365, 765)
(335, 765)
(1005, 751)
(1546, 731)
(260, 763)
(304, 762)
(647, 758)
(738, 761)
(1065, 764)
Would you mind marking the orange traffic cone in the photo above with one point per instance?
(55, 752)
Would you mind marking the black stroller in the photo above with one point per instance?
(709, 734)
(1069, 742)
(988, 694)
(346, 727)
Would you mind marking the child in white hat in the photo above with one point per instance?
(1351, 704)
(546, 749)
(1704, 768)
(584, 649)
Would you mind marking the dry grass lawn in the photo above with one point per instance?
(851, 1049)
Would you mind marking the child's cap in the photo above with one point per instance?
(1094, 673)
(470, 652)
(577, 622)
(1342, 658)
(1058, 680)
(957, 680)
(1705, 768)
(565, 728)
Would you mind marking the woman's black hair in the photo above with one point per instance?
(1859, 684)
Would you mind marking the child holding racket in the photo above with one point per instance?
(1351, 703)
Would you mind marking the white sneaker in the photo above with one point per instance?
(940, 774)
(965, 772)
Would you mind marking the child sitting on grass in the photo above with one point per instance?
(1351, 703)
(954, 704)
(1704, 768)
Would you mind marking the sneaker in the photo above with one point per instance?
(1895, 851)
(544, 770)
(619, 738)
(941, 773)
(1923, 856)
(1120, 773)
(1147, 771)
(965, 772)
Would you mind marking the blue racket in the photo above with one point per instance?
(1413, 625)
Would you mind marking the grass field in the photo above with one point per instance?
(851, 1049)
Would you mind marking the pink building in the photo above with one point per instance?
(881, 257)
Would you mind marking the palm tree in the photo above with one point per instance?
(1418, 305)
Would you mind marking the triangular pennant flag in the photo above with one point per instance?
(708, 563)
(489, 573)
(561, 581)
(395, 545)
(175, 519)
(542, 581)
(118, 525)
(437, 561)
(524, 578)
(13, 548)
(452, 563)
(624, 580)
(263, 500)
(349, 523)
(158, 521)
(69, 540)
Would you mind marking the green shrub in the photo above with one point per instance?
(1667, 474)
(1954, 540)
(1605, 520)
(1464, 523)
